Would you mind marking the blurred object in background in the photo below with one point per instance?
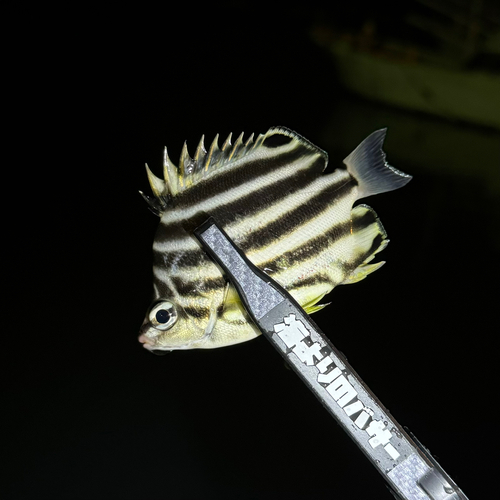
(444, 60)
(421, 144)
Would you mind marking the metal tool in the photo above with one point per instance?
(408, 467)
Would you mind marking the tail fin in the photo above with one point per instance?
(368, 166)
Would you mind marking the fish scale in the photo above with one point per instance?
(291, 220)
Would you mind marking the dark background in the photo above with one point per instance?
(92, 415)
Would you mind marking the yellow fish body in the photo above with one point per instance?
(291, 220)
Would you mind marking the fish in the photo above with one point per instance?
(293, 221)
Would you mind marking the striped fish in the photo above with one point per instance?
(271, 198)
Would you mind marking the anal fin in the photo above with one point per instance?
(361, 272)
(312, 306)
(315, 308)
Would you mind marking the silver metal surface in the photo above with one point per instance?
(408, 467)
(406, 475)
(438, 487)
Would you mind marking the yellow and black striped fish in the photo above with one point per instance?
(271, 198)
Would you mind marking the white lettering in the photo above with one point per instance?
(297, 338)
(293, 333)
(342, 391)
(392, 451)
(324, 364)
(329, 377)
(289, 334)
(362, 419)
(353, 408)
(379, 432)
(305, 353)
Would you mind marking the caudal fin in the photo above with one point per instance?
(368, 166)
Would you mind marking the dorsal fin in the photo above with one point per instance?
(205, 163)
(192, 170)
(368, 166)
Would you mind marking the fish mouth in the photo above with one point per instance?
(152, 346)
(147, 342)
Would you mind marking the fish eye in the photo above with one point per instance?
(163, 315)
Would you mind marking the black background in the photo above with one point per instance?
(90, 414)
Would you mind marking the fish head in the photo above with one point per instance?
(168, 326)
(171, 325)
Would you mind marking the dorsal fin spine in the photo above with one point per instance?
(156, 205)
(236, 147)
(227, 142)
(199, 160)
(170, 174)
(185, 164)
(212, 152)
(157, 185)
(249, 140)
(200, 150)
(259, 141)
